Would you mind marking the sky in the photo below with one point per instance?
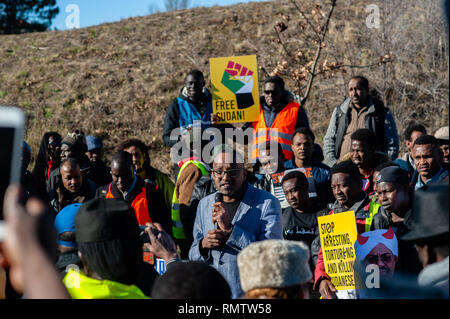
(94, 12)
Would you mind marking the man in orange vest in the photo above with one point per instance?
(145, 198)
(279, 116)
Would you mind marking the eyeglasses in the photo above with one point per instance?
(54, 144)
(231, 172)
(373, 259)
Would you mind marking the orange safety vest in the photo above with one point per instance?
(139, 204)
(280, 131)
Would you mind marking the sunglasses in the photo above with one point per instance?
(373, 259)
(267, 92)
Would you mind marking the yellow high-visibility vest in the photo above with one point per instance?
(177, 226)
(373, 209)
(81, 286)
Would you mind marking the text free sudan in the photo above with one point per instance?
(226, 111)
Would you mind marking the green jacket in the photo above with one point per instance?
(166, 186)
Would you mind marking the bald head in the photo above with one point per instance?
(122, 170)
(71, 175)
(122, 158)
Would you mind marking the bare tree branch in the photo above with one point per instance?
(316, 59)
(365, 66)
(306, 18)
(264, 70)
(282, 43)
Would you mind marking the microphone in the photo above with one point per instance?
(218, 199)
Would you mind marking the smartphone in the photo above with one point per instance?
(143, 235)
(145, 238)
(12, 121)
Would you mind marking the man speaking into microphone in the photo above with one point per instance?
(232, 218)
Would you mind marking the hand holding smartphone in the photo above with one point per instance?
(12, 122)
(160, 242)
(145, 238)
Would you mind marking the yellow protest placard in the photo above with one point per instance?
(234, 84)
(338, 235)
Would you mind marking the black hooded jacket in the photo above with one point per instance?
(158, 211)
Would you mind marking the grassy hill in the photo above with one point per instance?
(116, 80)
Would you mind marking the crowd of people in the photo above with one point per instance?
(232, 226)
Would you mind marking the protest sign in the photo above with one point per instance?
(337, 236)
(277, 189)
(234, 83)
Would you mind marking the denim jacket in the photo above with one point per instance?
(258, 217)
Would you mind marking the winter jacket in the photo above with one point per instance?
(258, 217)
(435, 275)
(164, 183)
(379, 119)
(190, 172)
(182, 113)
(440, 176)
(157, 210)
(407, 163)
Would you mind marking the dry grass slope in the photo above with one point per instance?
(116, 80)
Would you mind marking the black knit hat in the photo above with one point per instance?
(393, 174)
(429, 217)
(105, 219)
(76, 140)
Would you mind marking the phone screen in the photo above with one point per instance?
(6, 154)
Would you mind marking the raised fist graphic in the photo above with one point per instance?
(238, 79)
